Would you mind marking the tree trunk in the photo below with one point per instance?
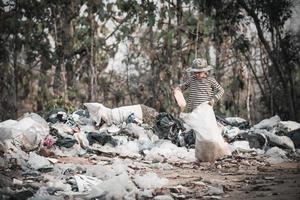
(92, 63)
(248, 100)
(179, 57)
(217, 45)
(274, 57)
(15, 74)
(52, 79)
(153, 71)
(64, 79)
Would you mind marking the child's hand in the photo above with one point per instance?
(211, 102)
(176, 88)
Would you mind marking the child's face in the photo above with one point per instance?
(200, 75)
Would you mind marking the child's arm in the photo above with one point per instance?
(184, 85)
(217, 89)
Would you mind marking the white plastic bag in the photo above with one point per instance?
(27, 132)
(210, 144)
(95, 111)
(113, 116)
(120, 114)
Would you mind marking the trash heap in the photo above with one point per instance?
(69, 156)
(277, 139)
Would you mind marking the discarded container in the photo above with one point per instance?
(179, 98)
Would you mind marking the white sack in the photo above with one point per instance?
(268, 123)
(119, 115)
(113, 116)
(27, 132)
(210, 144)
(6, 129)
(94, 111)
(289, 125)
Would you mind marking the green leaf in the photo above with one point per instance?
(151, 21)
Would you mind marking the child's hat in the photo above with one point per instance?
(199, 65)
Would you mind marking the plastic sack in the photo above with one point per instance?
(210, 144)
(94, 110)
(120, 115)
(110, 116)
(167, 127)
(27, 133)
(179, 98)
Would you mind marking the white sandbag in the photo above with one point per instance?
(113, 116)
(210, 144)
(179, 98)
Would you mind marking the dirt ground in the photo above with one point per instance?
(239, 179)
(236, 177)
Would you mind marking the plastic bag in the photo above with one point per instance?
(110, 116)
(210, 144)
(167, 127)
(95, 111)
(120, 115)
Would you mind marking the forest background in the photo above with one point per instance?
(63, 53)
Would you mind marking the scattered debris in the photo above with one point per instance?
(76, 156)
(150, 180)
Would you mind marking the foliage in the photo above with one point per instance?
(59, 103)
(56, 53)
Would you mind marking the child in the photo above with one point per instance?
(202, 87)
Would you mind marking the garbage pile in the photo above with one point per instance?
(82, 156)
(272, 137)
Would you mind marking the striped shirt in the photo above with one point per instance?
(201, 90)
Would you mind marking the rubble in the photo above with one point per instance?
(74, 156)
